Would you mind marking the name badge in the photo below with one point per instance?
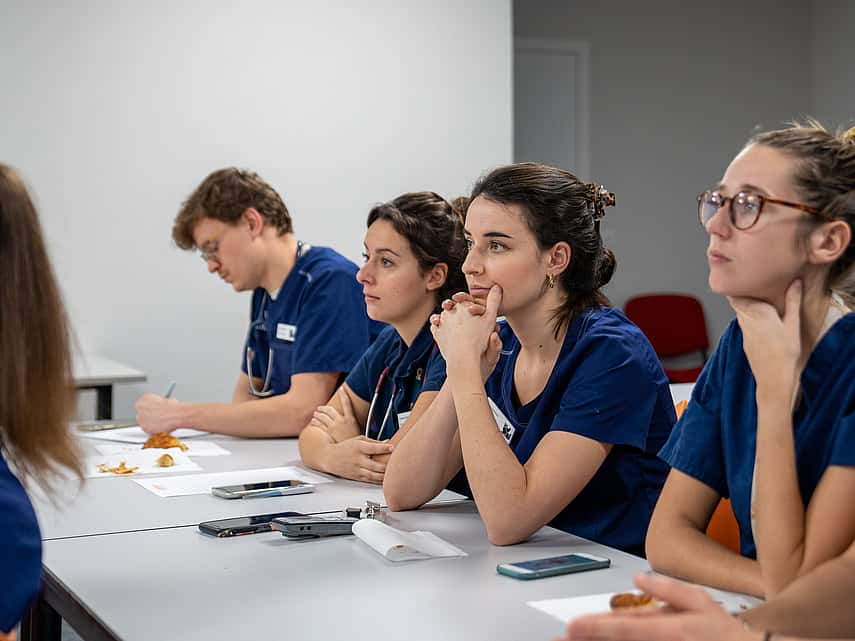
(506, 428)
(402, 418)
(286, 332)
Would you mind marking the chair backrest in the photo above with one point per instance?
(724, 527)
(674, 323)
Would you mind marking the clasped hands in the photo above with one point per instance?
(466, 332)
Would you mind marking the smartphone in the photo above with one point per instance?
(553, 565)
(259, 490)
(242, 524)
(303, 527)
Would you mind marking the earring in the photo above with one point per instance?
(550, 280)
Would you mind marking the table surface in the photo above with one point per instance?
(138, 563)
(180, 584)
(117, 504)
(90, 370)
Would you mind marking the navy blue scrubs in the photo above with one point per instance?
(316, 323)
(20, 550)
(607, 385)
(716, 438)
(395, 374)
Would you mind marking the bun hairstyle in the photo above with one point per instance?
(434, 229)
(557, 207)
(825, 178)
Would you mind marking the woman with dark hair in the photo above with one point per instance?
(36, 392)
(414, 248)
(556, 413)
(771, 421)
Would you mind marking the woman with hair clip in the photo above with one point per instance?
(34, 352)
(414, 248)
(557, 413)
(771, 421)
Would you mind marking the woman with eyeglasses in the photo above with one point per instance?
(771, 421)
(35, 443)
(414, 248)
(557, 413)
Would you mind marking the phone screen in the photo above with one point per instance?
(266, 485)
(243, 523)
(568, 560)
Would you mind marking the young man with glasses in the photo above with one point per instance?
(308, 324)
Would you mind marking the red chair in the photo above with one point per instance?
(675, 326)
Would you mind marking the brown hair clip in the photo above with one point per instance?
(600, 198)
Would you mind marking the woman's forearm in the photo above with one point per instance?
(415, 471)
(681, 550)
(817, 604)
(777, 505)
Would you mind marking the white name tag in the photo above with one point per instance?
(402, 418)
(286, 332)
(506, 428)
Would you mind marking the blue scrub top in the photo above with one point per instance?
(609, 386)
(317, 323)
(20, 550)
(408, 368)
(716, 438)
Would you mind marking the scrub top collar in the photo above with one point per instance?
(825, 357)
(512, 406)
(412, 356)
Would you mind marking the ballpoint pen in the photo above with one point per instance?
(169, 390)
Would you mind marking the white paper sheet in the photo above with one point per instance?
(195, 447)
(566, 610)
(202, 483)
(145, 460)
(397, 545)
(136, 434)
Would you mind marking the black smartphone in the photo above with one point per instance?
(242, 524)
(310, 527)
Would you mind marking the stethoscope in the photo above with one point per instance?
(265, 390)
(374, 398)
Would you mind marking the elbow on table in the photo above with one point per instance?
(506, 532)
(659, 549)
(399, 501)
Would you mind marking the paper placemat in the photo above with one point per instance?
(137, 435)
(144, 460)
(202, 483)
(195, 447)
(566, 610)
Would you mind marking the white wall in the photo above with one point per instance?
(114, 111)
(676, 89)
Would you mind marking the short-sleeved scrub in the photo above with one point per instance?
(607, 385)
(716, 439)
(390, 377)
(316, 323)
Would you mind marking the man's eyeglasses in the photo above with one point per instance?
(745, 207)
(209, 252)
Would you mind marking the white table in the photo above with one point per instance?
(179, 584)
(117, 504)
(99, 373)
